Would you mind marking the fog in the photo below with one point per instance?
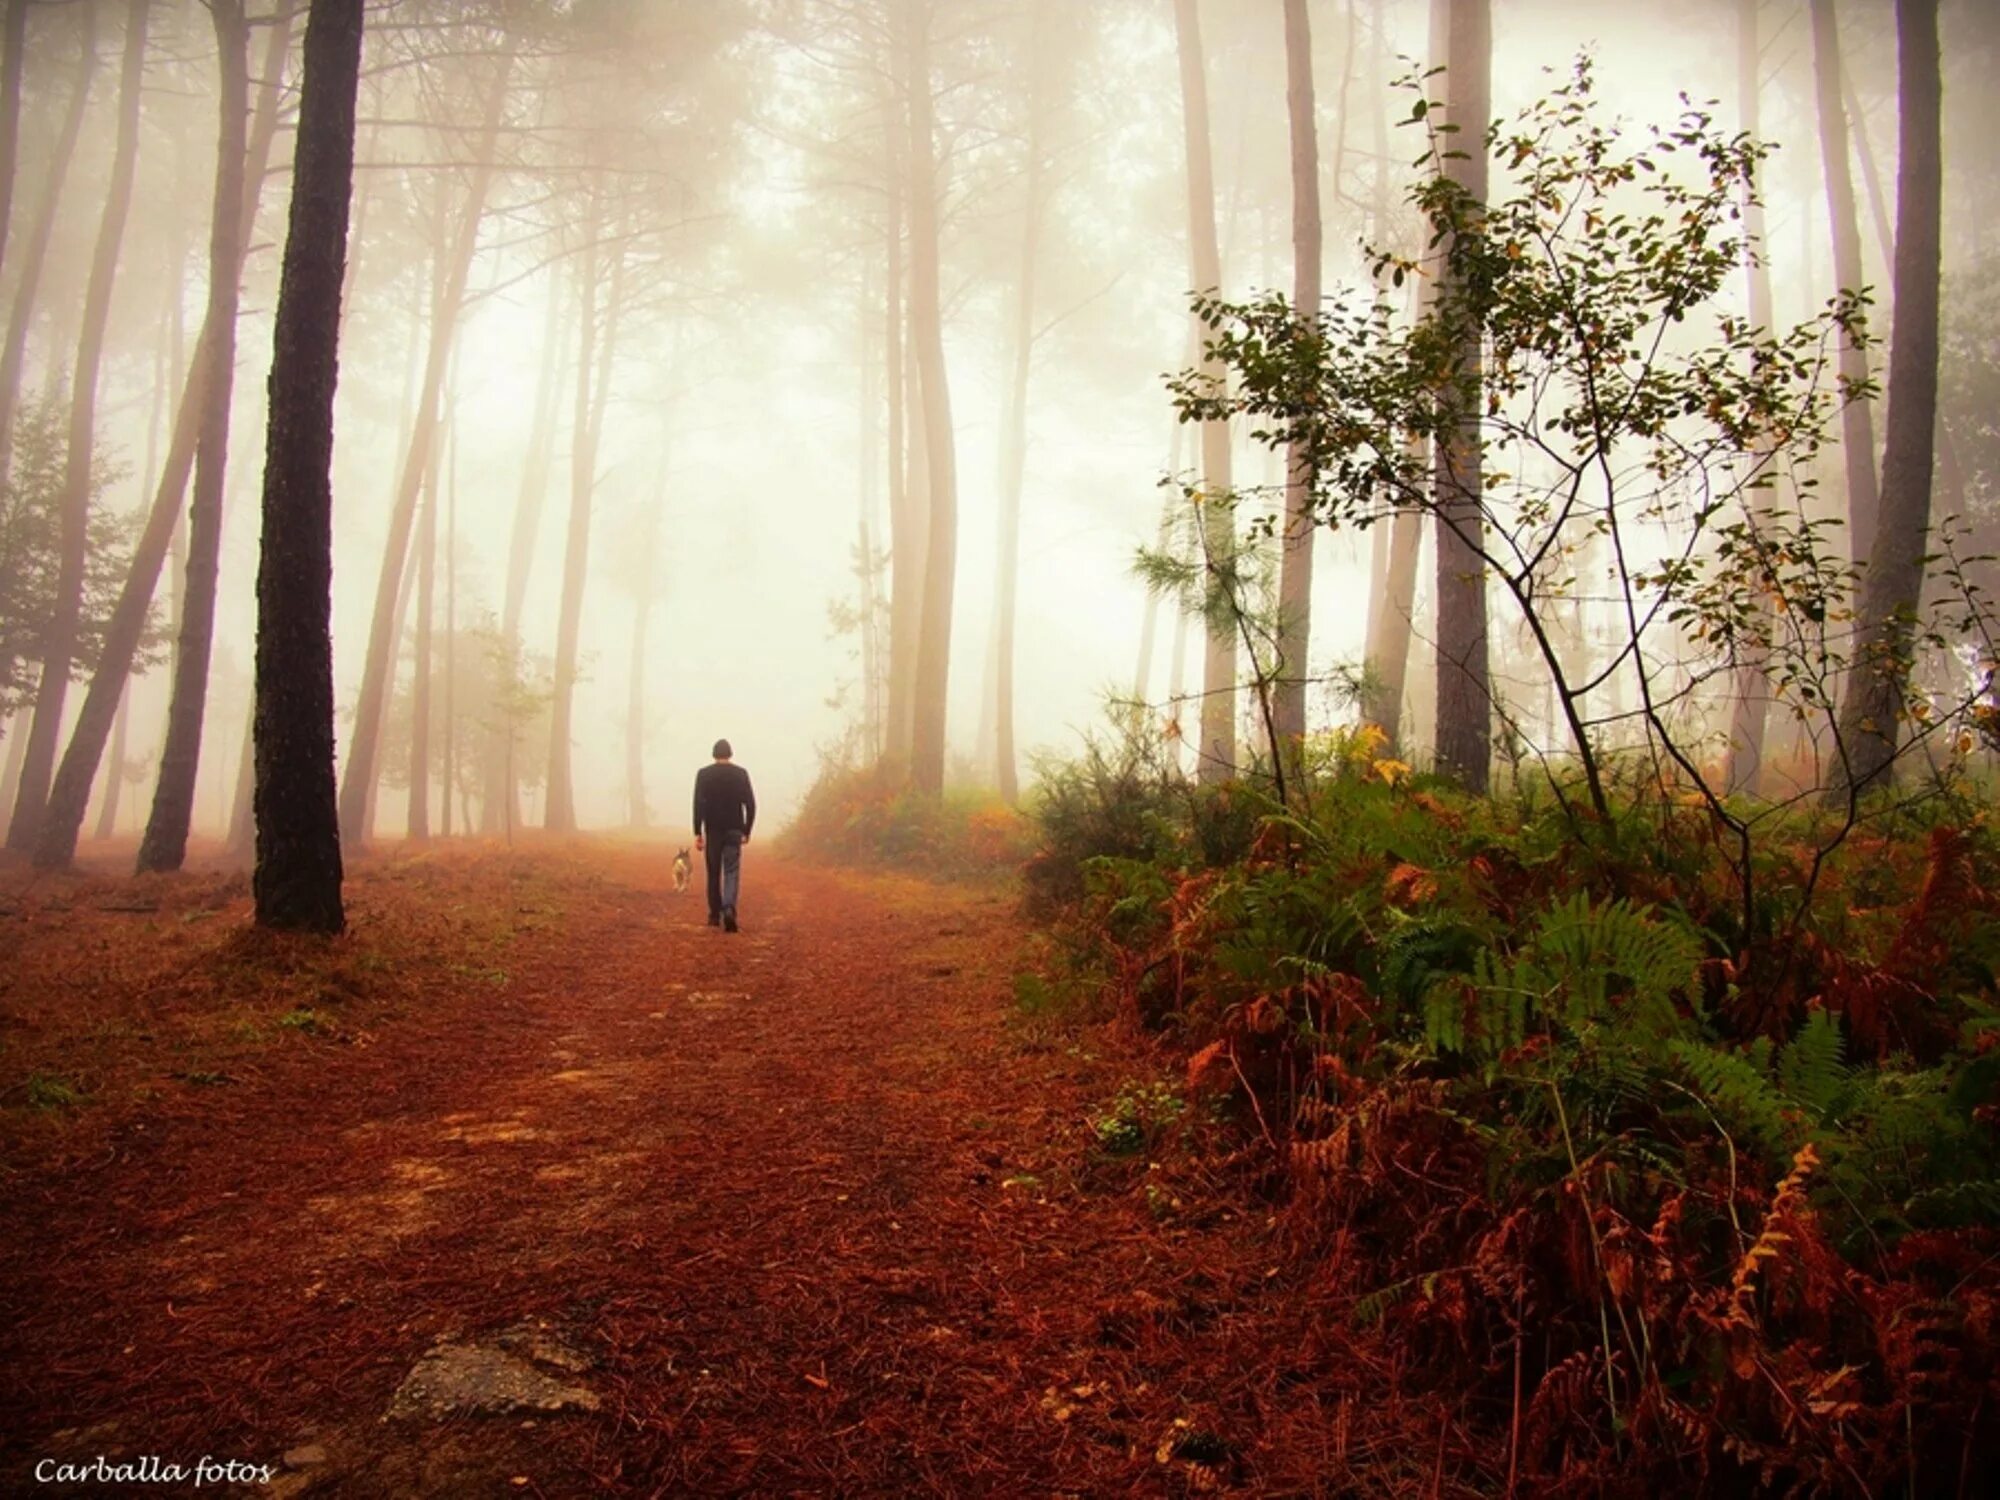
(718, 174)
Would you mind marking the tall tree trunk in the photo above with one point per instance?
(1296, 564)
(1857, 420)
(164, 845)
(451, 618)
(593, 381)
(636, 814)
(13, 47)
(202, 411)
(1216, 761)
(869, 477)
(933, 678)
(357, 786)
(417, 824)
(1014, 428)
(241, 841)
(1389, 622)
(297, 880)
(114, 770)
(501, 805)
(1872, 710)
(906, 457)
(34, 255)
(1464, 694)
(1751, 708)
(60, 643)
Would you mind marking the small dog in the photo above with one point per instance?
(683, 868)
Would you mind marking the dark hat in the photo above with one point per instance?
(722, 750)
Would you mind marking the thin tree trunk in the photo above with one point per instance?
(1296, 564)
(501, 793)
(417, 823)
(1389, 625)
(35, 254)
(1751, 710)
(927, 734)
(13, 47)
(357, 786)
(1464, 693)
(59, 656)
(196, 416)
(241, 841)
(636, 814)
(114, 770)
(298, 874)
(451, 617)
(869, 477)
(593, 381)
(906, 544)
(164, 845)
(1857, 420)
(1891, 589)
(1216, 760)
(1014, 431)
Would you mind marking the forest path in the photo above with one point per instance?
(797, 1210)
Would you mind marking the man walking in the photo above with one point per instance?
(724, 811)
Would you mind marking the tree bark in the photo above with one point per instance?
(358, 784)
(501, 792)
(933, 675)
(417, 823)
(593, 382)
(1216, 759)
(1751, 710)
(35, 254)
(194, 422)
(1389, 624)
(298, 874)
(1014, 428)
(114, 770)
(1464, 693)
(1857, 419)
(1296, 561)
(906, 492)
(13, 46)
(59, 656)
(164, 845)
(1871, 713)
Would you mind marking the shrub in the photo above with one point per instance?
(870, 816)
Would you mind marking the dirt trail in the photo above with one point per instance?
(796, 1211)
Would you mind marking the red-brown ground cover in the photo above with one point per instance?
(826, 1217)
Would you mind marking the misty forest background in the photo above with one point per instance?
(633, 444)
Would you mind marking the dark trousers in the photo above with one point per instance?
(725, 863)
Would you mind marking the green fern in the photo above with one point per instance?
(1810, 1071)
(1737, 1086)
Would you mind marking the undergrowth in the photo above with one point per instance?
(1642, 1195)
(870, 817)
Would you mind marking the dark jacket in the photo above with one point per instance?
(723, 801)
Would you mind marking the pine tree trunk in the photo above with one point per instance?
(1389, 624)
(593, 382)
(869, 476)
(1464, 695)
(1857, 421)
(501, 793)
(114, 770)
(60, 643)
(357, 786)
(164, 844)
(906, 489)
(1752, 701)
(1216, 759)
(417, 823)
(242, 838)
(237, 192)
(1872, 712)
(1296, 564)
(13, 48)
(297, 880)
(1014, 431)
(927, 733)
(34, 255)
(450, 717)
